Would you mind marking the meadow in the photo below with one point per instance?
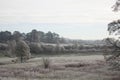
(62, 67)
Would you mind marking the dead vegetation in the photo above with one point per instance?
(46, 63)
(61, 68)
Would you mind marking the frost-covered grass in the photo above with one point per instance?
(69, 67)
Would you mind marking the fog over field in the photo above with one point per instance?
(59, 40)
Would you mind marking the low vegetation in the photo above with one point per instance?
(46, 63)
(24, 47)
(62, 68)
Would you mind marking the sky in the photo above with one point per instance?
(76, 19)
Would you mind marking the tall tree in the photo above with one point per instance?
(49, 37)
(22, 50)
(34, 36)
(114, 30)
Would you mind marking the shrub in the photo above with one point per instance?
(35, 47)
(46, 63)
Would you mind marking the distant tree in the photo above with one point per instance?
(35, 36)
(39, 36)
(48, 48)
(5, 36)
(56, 38)
(51, 37)
(17, 35)
(42, 35)
(35, 48)
(62, 40)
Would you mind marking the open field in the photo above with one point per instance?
(69, 67)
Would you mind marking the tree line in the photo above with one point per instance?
(38, 42)
(33, 36)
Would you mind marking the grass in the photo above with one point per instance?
(66, 54)
(2, 54)
(69, 67)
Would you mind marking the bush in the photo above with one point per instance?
(35, 48)
(46, 63)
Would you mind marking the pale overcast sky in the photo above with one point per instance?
(78, 19)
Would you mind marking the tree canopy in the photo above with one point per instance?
(116, 6)
(33, 36)
(114, 30)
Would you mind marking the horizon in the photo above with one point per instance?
(74, 19)
(72, 31)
